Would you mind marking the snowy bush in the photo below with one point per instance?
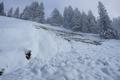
(110, 34)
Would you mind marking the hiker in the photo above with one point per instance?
(28, 54)
(2, 71)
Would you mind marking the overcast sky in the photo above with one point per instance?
(112, 6)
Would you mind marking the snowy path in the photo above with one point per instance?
(59, 59)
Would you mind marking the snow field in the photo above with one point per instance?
(53, 57)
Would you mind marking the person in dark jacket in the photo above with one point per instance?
(2, 71)
(28, 54)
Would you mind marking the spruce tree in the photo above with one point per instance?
(107, 31)
(34, 12)
(31, 12)
(26, 15)
(56, 18)
(2, 9)
(76, 20)
(116, 24)
(16, 14)
(92, 23)
(41, 13)
(10, 13)
(84, 22)
(68, 15)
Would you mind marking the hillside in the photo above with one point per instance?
(57, 53)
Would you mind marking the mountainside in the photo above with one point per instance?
(57, 53)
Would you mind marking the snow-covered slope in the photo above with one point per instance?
(17, 36)
(57, 54)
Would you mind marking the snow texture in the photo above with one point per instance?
(57, 54)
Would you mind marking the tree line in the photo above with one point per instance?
(71, 19)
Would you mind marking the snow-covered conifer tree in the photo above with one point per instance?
(68, 15)
(2, 8)
(56, 18)
(84, 22)
(26, 13)
(92, 23)
(105, 23)
(10, 13)
(34, 12)
(76, 20)
(16, 14)
(41, 13)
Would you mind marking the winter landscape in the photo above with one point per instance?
(68, 44)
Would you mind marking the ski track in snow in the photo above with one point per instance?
(55, 58)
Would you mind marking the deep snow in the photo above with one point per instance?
(57, 54)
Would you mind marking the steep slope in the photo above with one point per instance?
(57, 54)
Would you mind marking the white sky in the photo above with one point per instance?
(112, 6)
